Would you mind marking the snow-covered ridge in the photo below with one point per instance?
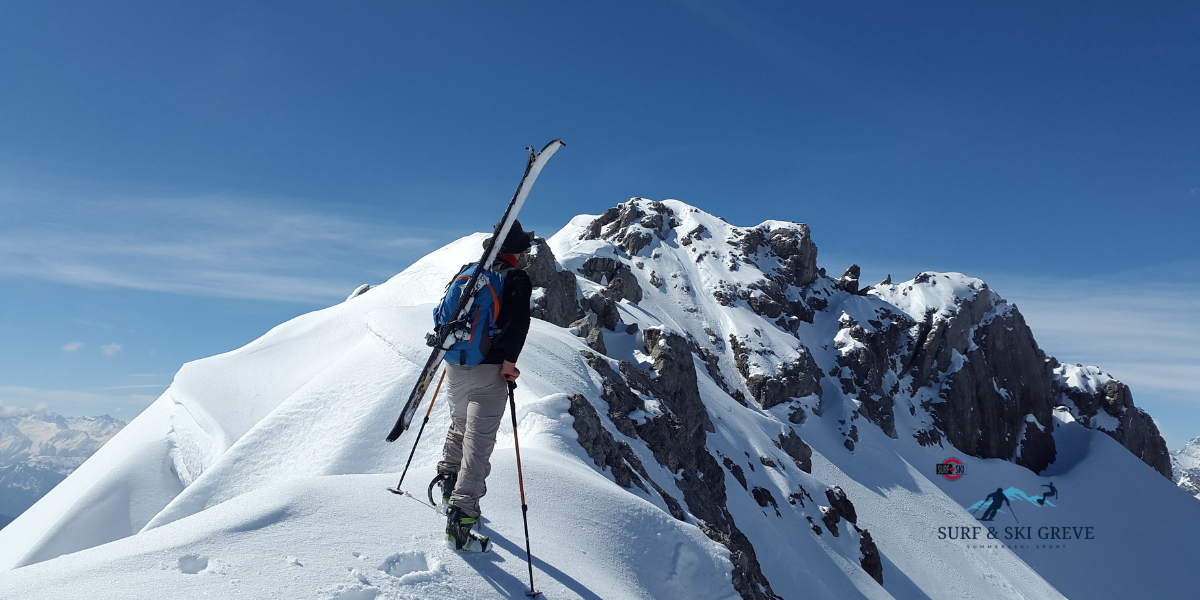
(703, 412)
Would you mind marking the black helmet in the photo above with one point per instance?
(517, 241)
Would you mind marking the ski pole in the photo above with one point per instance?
(1014, 512)
(397, 490)
(512, 406)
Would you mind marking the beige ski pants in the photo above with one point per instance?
(477, 396)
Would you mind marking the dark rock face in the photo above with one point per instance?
(838, 500)
(795, 447)
(869, 361)
(1135, 431)
(1002, 377)
(795, 380)
(849, 280)
(620, 283)
(559, 305)
(799, 253)
(999, 401)
(831, 518)
(604, 309)
(604, 450)
(595, 340)
(631, 227)
(1005, 378)
(764, 498)
(623, 286)
(871, 563)
(793, 245)
(621, 400)
(737, 471)
(677, 437)
(596, 268)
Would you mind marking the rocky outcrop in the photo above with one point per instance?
(838, 500)
(604, 309)
(865, 357)
(794, 247)
(796, 379)
(849, 279)
(831, 517)
(603, 449)
(1135, 429)
(618, 279)
(677, 438)
(559, 303)
(871, 563)
(621, 400)
(632, 225)
(795, 447)
(992, 376)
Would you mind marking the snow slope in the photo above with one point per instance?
(261, 472)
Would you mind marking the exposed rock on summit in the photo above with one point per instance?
(558, 304)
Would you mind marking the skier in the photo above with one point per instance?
(1052, 493)
(477, 395)
(997, 499)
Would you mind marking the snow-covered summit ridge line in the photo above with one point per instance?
(762, 417)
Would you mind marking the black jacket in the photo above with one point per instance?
(513, 318)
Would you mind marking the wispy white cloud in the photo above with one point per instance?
(147, 386)
(1142, 327)
(110, 349)
(72, 346)
(203, 246)
(72, 402)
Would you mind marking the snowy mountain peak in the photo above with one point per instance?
(701, 402)
(1185, 467)
(38, 449)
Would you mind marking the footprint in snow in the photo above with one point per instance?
(409, 567)
(356, 592)
(192, 563)
(359, 588)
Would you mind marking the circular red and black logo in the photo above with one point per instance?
(951, 469)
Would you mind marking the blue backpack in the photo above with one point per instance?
(480, 318)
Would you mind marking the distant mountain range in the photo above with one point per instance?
(1185, 467)
(39, 449)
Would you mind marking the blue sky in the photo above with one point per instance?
(176, 179)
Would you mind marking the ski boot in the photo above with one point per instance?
(459, 535)
(446, 481)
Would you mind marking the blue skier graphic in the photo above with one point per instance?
(1051, 493)
(998, 498)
